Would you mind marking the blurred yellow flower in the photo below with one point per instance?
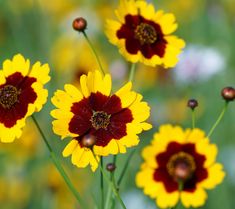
(11, 192)
(147, 77)
(57, 9)
(185, 11)
(144, 35)
(176, 110)
(73, 57)
(62, 198)
(26, 146)
(179, 165)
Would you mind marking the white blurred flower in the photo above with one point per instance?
(198, 63)
(137, 200)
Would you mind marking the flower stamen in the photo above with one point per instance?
(181, 166)
(8, 96)
(100, 119)
(145, 33)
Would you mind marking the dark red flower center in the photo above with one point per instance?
(180, 162)
(145, 33)
(15, 96)
(181, 166)
(100, 119)
(8, 96)
(100, 116)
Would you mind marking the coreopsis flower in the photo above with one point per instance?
(145, 35)
(179, 165)
(95, 118)
(21, 94)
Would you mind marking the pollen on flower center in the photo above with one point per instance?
(100, 119)
(181, 166)
(8, 96)
(145, 33)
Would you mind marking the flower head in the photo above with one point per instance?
(179, 158)
(21, 94)
(144, 35)
(113, 121)
(80, 24)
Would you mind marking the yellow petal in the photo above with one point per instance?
(126, 95)
(194, 199)
(215, 176)
(70, 148)
(18, 64)
(41, 73)
(167, 200)
(84, 87)
(73, 92)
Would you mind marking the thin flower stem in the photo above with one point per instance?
(110, 183)
(112, 178)
(113, 200)
(115, 159)
(125, 167)
(180, 188)
(95, 201)
(193, 119)
(219, 119)
(109, 194)
(59, 166)
(102, 182)
(94, 52)
(113, 204)
(132, 72)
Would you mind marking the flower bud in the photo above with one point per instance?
(80, 24)
(182, 172)
(88, 141)
(110, 167)
(228, 93)
(192, 103)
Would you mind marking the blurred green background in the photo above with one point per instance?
(41, 30)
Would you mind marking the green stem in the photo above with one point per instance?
(102, 183)
(109, 194)
(193, 119)
(113, 200)
(59, 166)
(94, 52)
(132, 72)
(180, 188)
(95, 201)
(218, 119)
(111, 184)
(112, 178)
(125, 167)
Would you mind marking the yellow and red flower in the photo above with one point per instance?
(21, 94)
(179, 165)
(144, 35)
(113, 120)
